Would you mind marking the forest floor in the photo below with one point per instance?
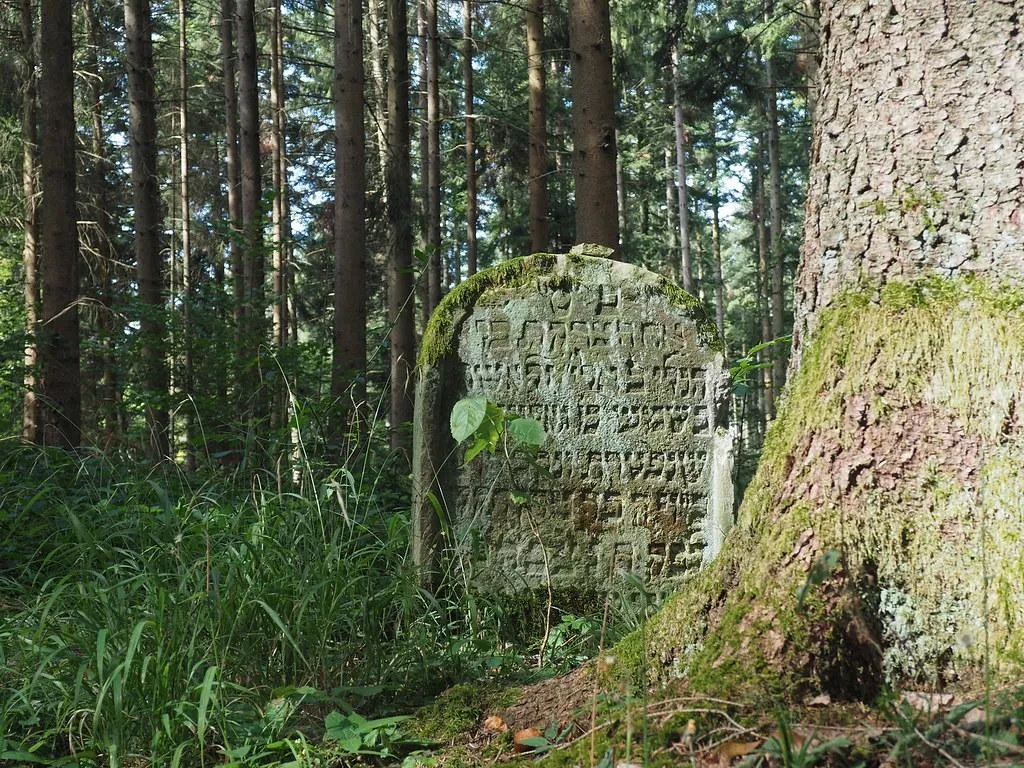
(570, 721)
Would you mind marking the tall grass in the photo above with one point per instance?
(149, 619)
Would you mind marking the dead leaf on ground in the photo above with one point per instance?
(520, 739)
(495, 723)
(821, 700)
(730, 750)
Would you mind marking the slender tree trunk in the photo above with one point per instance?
(716, 237)
(467, 80)
(279, 175)
(377, 56)
(109, 419)
(401, 304)
(763, 280)
(593, 122)
(433, 160)
(187, 384)
(671, 220)
(685, 256)
(620, 195)
(348, 373)
(422, 200)
(31, 415)
(233, 163)
(538, 160)
(142, 105)
(775, 227)
(251, 179)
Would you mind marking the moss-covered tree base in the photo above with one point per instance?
(881, 539)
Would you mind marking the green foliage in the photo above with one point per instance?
(183, 621)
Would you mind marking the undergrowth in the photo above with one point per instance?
(154, 618)
(149, 618)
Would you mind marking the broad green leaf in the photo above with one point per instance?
(527, 431)
(467, 416)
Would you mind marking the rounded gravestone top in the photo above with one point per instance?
(625, 372)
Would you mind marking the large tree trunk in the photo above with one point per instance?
(59, 354)
(401, 304)
(348, 370)
(879, 540)
(148, 264)
(537, 110)
(593, 123)
(31, 416)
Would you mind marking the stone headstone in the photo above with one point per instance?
(625, 372)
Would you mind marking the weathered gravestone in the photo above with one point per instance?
(625, 372)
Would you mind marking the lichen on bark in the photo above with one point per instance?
(898, 448)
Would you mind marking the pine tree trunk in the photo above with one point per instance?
(279, 217)
(593, 123)
(537, 108)
(777, 257)
(467, 82)
(763, 278)
(251, 179)
(433, 212)
(233, 163)
(401, 304)
(148, 261)
(348, 373)
(191, 433)
(685, 257)
(716, 234)
(109, 416)
(377, 57)
(31, 414)
(879, 540)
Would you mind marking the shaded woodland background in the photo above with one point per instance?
(219, 148)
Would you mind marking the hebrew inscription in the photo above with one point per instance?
(625, 375)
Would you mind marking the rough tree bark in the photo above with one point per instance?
(401, 302)
(191, 432)
(593, 123)
(279, 210)
(233, 179)
(879, 540)
(348, 380)
(679, 123)
(148, 264)
(537, 109)
(433, 159)
(467, 92)
(31, 416)
(251, 175)
(776, 256)
(110, 417)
